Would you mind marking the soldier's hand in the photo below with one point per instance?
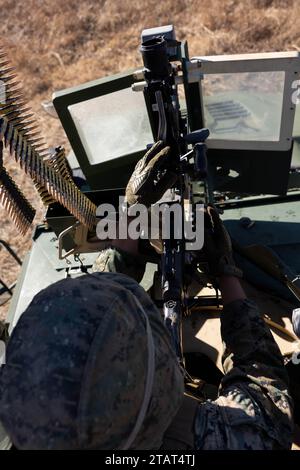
(217, 246)
(151, 178)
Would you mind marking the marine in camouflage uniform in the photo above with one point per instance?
(254, 407)
(90, 365)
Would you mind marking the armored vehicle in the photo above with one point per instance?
(251, 174)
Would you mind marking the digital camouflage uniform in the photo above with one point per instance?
(77, 364)
(254, 407)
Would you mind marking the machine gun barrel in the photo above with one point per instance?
(155, 58)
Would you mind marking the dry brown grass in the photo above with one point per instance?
(56, 44)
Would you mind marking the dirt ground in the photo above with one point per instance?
(57, 44)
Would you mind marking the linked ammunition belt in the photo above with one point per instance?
(48, 170)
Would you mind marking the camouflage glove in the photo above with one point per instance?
(217, 246)
(150, 179)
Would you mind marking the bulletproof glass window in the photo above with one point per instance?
(112, 125)
(247, 102)
(107, 126)
(243, 106)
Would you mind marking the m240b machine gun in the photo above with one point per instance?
(162, 73)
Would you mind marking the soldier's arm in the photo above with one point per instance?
(254, 408)
(117, 260)
(121, 257)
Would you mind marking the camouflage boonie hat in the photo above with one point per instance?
(77, 369)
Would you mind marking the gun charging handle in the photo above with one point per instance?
(197, 138)
(200, 160)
